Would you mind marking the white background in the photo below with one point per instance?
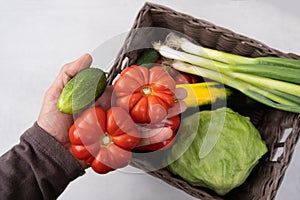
(38, 36)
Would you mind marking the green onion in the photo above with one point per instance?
(291, 98)
(259, 94)
(175, 41)
(278, 61)
(274, 72)
(268, 83)
(265, 79)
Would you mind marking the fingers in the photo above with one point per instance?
(180, 93)
(67, 72)
(178, 108)
(74, 67)
(71, 69)
(156, 136)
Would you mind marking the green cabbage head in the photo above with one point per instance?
(223, 149)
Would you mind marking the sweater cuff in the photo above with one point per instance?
(47, 144)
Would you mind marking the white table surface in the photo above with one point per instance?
(38, 37)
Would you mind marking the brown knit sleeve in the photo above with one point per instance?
(38, 167)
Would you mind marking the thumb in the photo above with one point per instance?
(70, 70)
(67, 72)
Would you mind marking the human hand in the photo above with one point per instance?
(50, 119)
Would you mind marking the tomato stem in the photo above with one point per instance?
(147, 90)
(105, 140)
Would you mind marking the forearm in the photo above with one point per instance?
(37, 168)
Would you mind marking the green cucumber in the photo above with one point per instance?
(82, 90)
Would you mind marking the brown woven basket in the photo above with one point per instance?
(267, 176)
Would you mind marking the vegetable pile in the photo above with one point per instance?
(105, 140)
(215, 148)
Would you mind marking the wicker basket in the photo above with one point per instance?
(267, 176)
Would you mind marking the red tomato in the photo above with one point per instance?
(181, 77)
(146, 93)
(104, 140)
(172, 123)
(184, 78)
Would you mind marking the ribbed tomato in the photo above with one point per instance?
(104, 140)
(146, 93)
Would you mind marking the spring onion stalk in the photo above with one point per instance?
(216, 55)
(274, 72)
(279, 61)
(268, 85)
(227, 80)
(175, 41)
(257, 93)
(289, 97)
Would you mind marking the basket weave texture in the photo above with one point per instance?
(265, 179)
